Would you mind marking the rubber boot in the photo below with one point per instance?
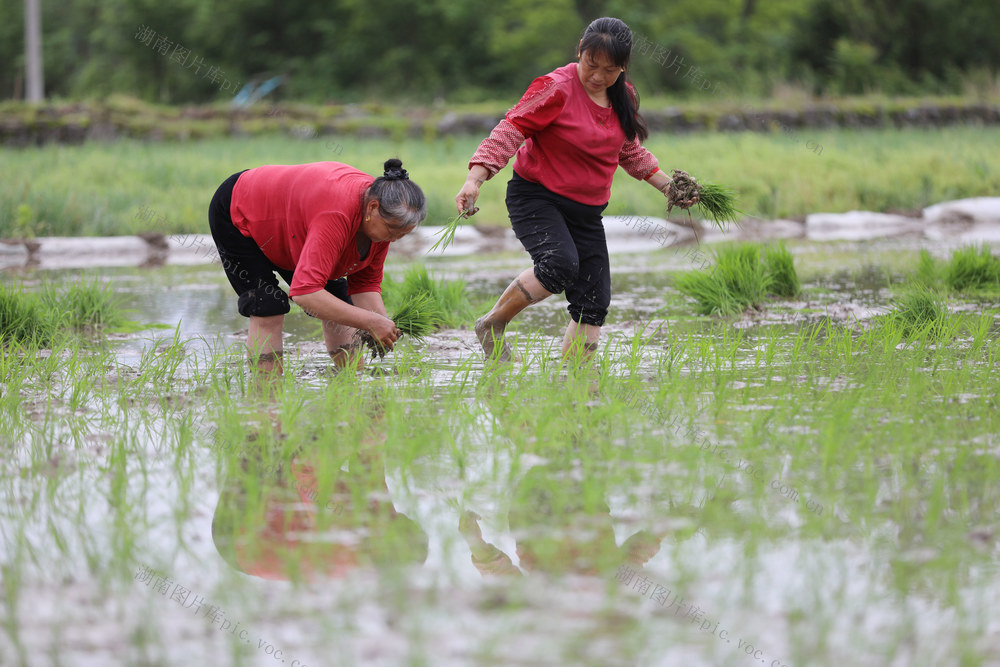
(524, 291)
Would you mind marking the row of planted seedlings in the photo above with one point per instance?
(902, 400)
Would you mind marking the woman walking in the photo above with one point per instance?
(325, 229)
(577, 124)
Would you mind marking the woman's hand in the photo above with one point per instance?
(664, 183)
(467, 196)
(681, 204)
(383, 330)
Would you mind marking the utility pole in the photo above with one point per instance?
(33, 51)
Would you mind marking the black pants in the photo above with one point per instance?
(249, 271)
(567, 245)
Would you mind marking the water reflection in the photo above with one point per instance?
(560, 518)
(309, 517)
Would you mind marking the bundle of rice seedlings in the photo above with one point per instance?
(917, 310)
(416, 317)
(744, 275)
(781, 268)
(717, 202)
(24, 318)
(710, 295)
(453, 306)
(927, 271)
(972, 267)
(83, 305)
(448, 232)
(736, 282)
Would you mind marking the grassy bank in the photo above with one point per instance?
(131, 186)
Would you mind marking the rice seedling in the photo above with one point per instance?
(737, 281)
(918, 311)
(711, 295)
(415, 317)
(972, 268)
(716, 201)
(927, 270)
(447, 232)
(24, 318)
(780, 267)
(83, 305)
(451, 306)
(740, 279)
(39, 317)
(765, 438)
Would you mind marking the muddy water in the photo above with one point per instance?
(398, 580)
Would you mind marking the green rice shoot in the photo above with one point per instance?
(781, 267)
(83, 305)
(447, 233)
(927, 270)
(450, 298)
(416, 317)
(39, 317)
(918, 311)
(717, 202)
(972, 268)
(740, 280)
(23, 317)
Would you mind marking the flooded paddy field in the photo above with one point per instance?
(803, 485)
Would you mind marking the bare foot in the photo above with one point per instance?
(489, 336)
(270, 362)
(348, 356)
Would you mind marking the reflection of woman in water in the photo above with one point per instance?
(560, 526)
(273, 525)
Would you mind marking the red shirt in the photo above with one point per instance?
(305, 218)
(571, 144)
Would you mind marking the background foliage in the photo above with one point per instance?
(461, 51)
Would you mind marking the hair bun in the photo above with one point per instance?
(394, 170)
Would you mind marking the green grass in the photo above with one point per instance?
(740, 279)
(134, 186)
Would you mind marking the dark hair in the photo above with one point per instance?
(613, 38)
(399, 199)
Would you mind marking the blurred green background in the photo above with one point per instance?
(459, 51)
